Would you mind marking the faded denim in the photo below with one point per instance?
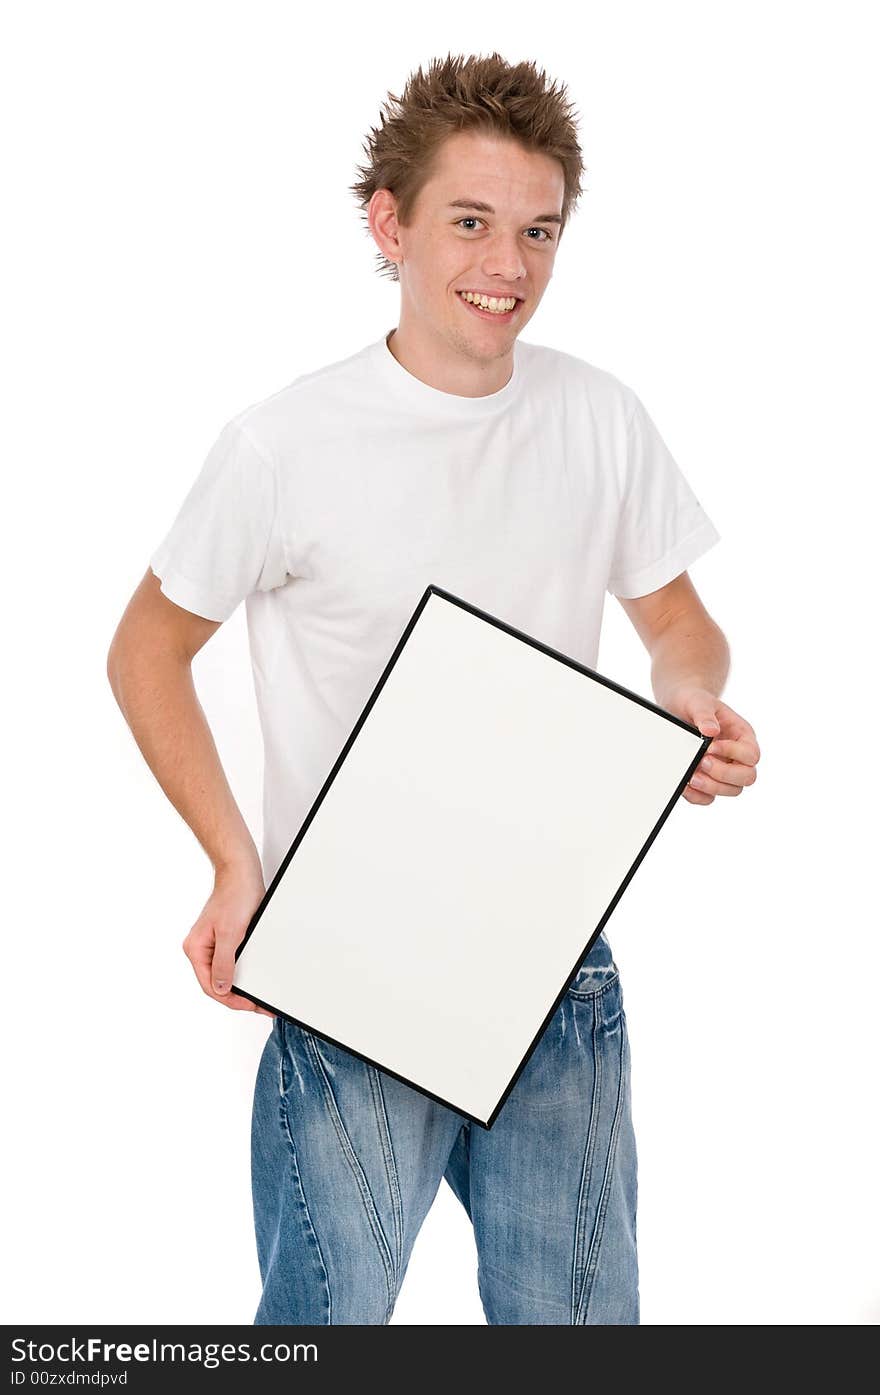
(347, 1160)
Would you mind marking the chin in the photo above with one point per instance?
(494, 344)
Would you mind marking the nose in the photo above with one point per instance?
(502, 258)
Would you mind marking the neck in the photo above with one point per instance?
(438, 363)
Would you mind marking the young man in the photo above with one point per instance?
(530, 483)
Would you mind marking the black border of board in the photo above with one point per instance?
(580, 668)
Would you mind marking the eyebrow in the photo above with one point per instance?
(479, 207)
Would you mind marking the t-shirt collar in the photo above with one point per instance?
(405, 386)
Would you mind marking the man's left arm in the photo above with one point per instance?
(690, 661)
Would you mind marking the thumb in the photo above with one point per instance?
(222, 967)
(708, 724)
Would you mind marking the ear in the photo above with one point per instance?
(382, 219)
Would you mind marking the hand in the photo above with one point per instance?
(731, 758)
(211, 943)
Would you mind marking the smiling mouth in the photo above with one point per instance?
(501, 308)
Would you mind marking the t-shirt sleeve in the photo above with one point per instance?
(225, 541)
(662, 527)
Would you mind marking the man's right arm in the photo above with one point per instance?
(149, 667)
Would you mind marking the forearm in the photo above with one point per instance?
(690, 654)
(157, 698)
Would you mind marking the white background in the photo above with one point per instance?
(180, 243)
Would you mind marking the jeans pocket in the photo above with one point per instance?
(596, 970)
(292, 1064)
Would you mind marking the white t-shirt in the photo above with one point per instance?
(331, 505)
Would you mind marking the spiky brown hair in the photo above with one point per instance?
(465, 94)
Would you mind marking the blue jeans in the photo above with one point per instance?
(347, 1160)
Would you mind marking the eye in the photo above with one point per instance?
(548, 237)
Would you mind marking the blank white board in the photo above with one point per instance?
(483, 819)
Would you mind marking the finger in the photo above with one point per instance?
(200, 956)
(728, 772)
(235, 1000)
(232, 1000)
(707, 785)
(727, 749)
(707, 722)
(223, 964)
(694, 797)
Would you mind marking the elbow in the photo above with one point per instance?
(116, 658)
(112, 668)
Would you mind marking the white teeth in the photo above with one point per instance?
(497, 305)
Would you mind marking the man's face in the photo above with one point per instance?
(506, 248)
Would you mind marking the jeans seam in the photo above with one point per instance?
(586, 1169)
(300, 1191)
(355, 1165)
(599, 1228)
(391, 1172)
(595, 992)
